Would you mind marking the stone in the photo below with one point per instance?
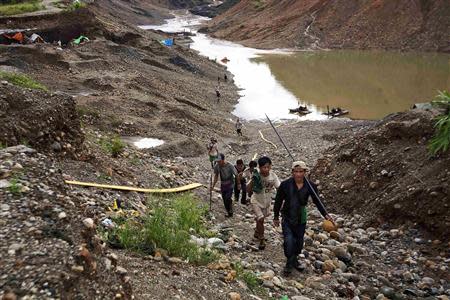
(268, 284)
(9, 295)
(175, 260)
(268, 275)
(277, 281)
(234, 296)
(300, 298)
(328, 265)
(373, 185)
(121, 270)
(335, 235)
(77, 269)
(88, 223)
(56, 146)
(62, 215)
(4, 184)
(387, 291)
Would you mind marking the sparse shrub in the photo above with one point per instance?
(22, 80)
(114, 145)
(440, 142)
(169, 227)
(14, 187)
(251, 280)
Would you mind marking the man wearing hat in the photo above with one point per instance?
(227, 174)
(292, 199)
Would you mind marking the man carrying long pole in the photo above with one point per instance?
(292, 199)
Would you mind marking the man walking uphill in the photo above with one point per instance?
(227, 173)
(293, 195)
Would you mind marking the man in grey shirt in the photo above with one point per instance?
(227, 174)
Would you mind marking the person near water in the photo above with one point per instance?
(213, 151)
(262, 185)
(240, 182)
(227, 173)
(238, 127)
(291, 199)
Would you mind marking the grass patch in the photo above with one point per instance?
(20, 8)
(169, 227)
(251, 280)
(113, 145)
(3, 145)
(22, 81)
(440, 142)
(87, 111)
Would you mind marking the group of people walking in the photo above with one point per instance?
(256, 184)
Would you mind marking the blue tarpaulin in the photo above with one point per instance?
(167, 42)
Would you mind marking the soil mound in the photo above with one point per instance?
(337, 24)
(387, 175)
(43, 120)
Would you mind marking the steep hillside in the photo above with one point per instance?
(363, 24)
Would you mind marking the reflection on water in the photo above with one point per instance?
(143, 143)
(370, 84)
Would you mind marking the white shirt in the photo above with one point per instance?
(270, 183)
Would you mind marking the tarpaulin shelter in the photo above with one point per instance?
(167, 42)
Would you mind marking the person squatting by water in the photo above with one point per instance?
(240, 182)
(213, 151)
(262, 184)
(227, 174)
(238, 127)
(292, 199)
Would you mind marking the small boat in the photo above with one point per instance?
(302, 110)
(336, 112)
(225, 60)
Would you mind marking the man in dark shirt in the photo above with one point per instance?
(227, 173)
(291, 199)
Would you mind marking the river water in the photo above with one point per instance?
(370, 84)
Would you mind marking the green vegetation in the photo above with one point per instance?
(15, 187)
(87, 111)
(3, 145)
(441, 139)
(114, 145)
(22, 80)
(259, 4)
(17, 7)
(250, 278)
(168, 227)
(76, 5)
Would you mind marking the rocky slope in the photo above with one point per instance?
(388, 176)
(124, 82)
(368, 24)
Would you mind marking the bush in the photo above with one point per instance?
(76, 5)
(169, 227)
(114, 145)
(440, 142)
(22, 80)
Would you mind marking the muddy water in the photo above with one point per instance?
(369, 84)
